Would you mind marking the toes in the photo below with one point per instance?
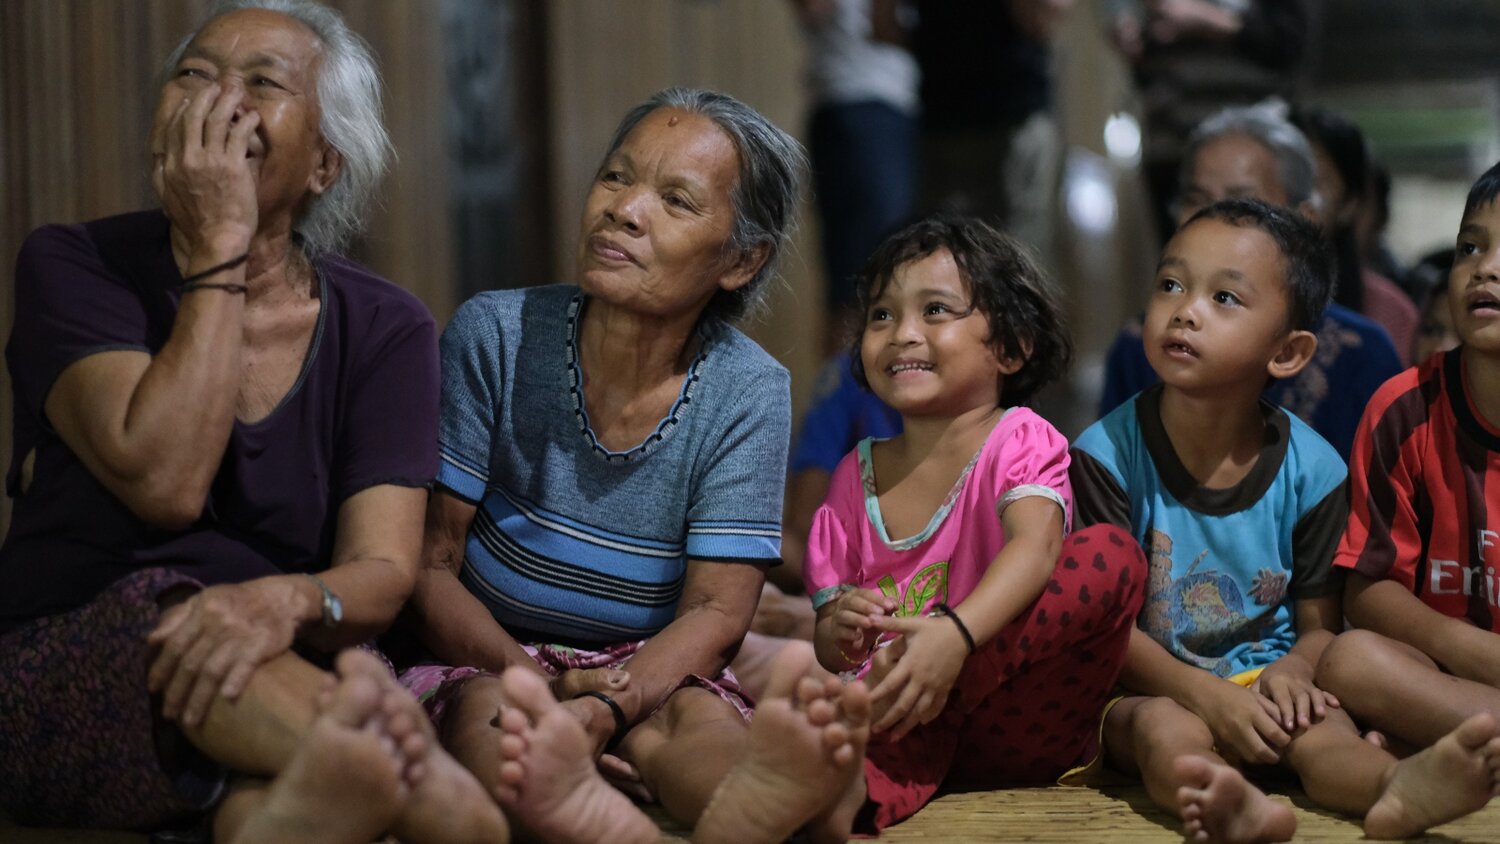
(355, 701)
(1190, 802)
(527, 691)
(788, 669)
(854, 703)
(1193, 769)
(835, 735)
(809, 691)
(1477, 731)
(353, 662)
(513, 720)
(820, 713)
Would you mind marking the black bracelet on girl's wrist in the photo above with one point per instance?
(614, 708)
(963, 630)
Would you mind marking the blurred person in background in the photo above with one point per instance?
(990, 143)
(1343, 174)
(1255, 153)
(1194, 57)
(862, 136)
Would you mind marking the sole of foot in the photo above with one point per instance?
(547, 780)
(1217, 804)
(1454, 777)
(804, 760)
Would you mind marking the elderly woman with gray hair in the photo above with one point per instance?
(223, 436)
(609, 498)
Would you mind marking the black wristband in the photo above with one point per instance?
(614, 708)
(216, 269)
(963, 631)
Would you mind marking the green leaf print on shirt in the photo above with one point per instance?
(927, 587)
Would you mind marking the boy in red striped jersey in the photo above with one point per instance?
(1421, 547)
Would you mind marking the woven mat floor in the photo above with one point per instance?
(1114, 815)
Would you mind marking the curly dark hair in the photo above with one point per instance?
(1022, 306)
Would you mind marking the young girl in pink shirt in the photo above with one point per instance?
(941, 565)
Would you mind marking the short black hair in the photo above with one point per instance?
(1309, 262)
(1004, 283)
(1484, 191)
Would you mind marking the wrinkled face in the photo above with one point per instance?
(1474, 283)
(657, 221)
(1218, 311)
(925, 349)
(274, 61)
(1230, 167)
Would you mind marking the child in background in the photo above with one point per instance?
(1424, 511)
(1429, 285)
(934, 563)
(1240, 505)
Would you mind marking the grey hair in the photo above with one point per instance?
(350, 119)
(1266, 124)
(764, 198)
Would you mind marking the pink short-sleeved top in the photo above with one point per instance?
(848, 547)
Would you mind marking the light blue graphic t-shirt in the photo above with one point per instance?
(1225, 565)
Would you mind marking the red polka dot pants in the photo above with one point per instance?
(1025, 708)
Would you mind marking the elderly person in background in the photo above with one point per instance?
(1253, 152)
(223, 435)
(613, 455)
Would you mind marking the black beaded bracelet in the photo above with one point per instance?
(963, 630)
(614, 708)
(215, 270)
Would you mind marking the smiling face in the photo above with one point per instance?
(274, 60)
(925, 350)
(656, 227)
(1474, 283)
(1219, 309)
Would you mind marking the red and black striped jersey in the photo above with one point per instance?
(1422, 510)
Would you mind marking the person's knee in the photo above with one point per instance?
(691, 714)
(691, 708)
(1108, 567)
(1352, 660)
(476, 705)
(1161, 722)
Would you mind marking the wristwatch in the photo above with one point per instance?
(333, 608)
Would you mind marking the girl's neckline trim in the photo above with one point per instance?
(663, 428)
(872, 495)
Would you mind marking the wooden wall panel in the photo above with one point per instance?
(407, 240)
(606, 57)
(77, 89)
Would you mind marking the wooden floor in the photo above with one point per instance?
(1115, 815)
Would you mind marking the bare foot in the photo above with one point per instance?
(1218, 804)
(447, 805)
(804, 758)
(546, 777)
(1448, 780)
(344, 785)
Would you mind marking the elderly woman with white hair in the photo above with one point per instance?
(223, 437)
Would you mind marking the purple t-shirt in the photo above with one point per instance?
(362, 412)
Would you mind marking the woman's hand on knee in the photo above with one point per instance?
(211, 644)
